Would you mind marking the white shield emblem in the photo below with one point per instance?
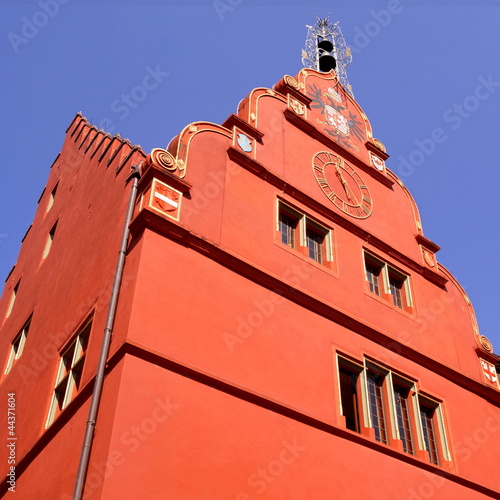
(489, 372)
(244, 143)
(334, 118)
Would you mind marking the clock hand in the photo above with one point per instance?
(352, 198)
(343, 181)
(345, 186)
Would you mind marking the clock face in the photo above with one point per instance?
(342, 185)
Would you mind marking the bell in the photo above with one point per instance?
(325, 44)
(326, 61)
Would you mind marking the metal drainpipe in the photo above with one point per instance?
(106, 341)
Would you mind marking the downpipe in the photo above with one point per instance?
(106, 342)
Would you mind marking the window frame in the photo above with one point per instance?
(442, 452)
(358, 406)
(17, 346)
(49, 241)
(52, 196)
(387, 275)
(403, 432)
(294, 216)
(304, 225)
(13, 298)
(324, 256)
(376, 264)
(397, 384)
(69, 372)
(380, 407)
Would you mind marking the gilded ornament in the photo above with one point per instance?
(181, 165)
(290, 80)
(297, 107)
(485, 343)
(162, 158)
(378, 144)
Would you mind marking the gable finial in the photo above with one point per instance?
(314, 51)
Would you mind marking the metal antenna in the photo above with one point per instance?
(324, 30)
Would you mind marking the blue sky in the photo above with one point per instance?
(427, 74)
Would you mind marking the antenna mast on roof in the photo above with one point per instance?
(325, 42)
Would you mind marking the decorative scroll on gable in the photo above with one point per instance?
(162, 186)
(163, 159)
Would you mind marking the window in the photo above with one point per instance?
(349, 395)
(387, 283)
(385, 406)
(50, 239)
(314, 243)
(376, 405)
(301, 233)
(317, 242)
(51, 198)
(69, 374)
(432, 431)
(427, 417)
(288, 228)
(17, 346)
(396, 287)
(373, 277)
(403, 417)
(12, 299)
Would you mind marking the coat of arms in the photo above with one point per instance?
(489, 372)
(340, 123)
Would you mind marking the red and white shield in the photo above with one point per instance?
(339, 121)
(165, 199)
(489, 372)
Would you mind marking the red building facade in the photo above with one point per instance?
(283, 327)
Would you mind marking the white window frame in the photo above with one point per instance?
(62, 373)
(355, 367)
(49, 241)
(303, 222)
(12, 300)
(385, 270)
(17, 346)
(415, 400)
(440, 429)
(52, 197)
(412, 389)
(385, 372)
